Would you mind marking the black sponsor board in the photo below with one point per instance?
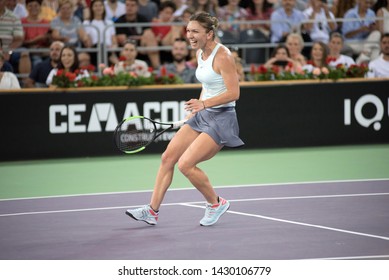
(75, 123)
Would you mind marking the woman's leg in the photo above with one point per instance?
(201, 149)
(177, 146)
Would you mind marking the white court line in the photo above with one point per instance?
(352, 258)
(296, 223)
(84, 209)
(307, 197)
(191, 188)
(191, 202)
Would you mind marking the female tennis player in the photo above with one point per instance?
(211, 124)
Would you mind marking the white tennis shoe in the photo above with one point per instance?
(214, 212)
(145, 214)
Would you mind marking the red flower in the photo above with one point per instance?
(329, 59)
(311, 62)
(151, 69)
(340, 66)
(262, 69)
(64, 79)
(289, 65)
(90, 68)
(276, 69)
(357, 70)
(71, 76)
(163, 71)
(122, 58)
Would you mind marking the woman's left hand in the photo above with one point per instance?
(194, 105)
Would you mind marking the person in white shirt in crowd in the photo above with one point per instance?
(129, 63)
(335, 46)
(114, 9)
(324, 21)
(8, 80)
(379, 67)
(17, 8)
(100, 30)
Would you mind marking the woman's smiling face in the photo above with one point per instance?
(196, 34)
(317, 52)
(67, 58)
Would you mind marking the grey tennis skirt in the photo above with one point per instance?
(219, 123)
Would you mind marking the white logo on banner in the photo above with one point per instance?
(358, 108)
(71, 118)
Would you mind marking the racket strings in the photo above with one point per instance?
(131, 136)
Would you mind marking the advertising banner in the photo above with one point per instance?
(81, 123)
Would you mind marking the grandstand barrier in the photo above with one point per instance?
(42, 123)
(257, 51)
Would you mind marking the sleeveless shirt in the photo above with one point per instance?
(212, 82)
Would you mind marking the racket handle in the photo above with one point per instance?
(178, 124)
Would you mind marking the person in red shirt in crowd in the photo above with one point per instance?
(166, 34)
(36, 31)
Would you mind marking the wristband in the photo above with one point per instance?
(203, 105)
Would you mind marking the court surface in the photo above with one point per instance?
(346, 219)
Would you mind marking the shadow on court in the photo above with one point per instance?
(336, 220)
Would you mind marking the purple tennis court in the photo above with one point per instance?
(322, 220)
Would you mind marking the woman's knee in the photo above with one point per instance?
(184, 166)
(168, 158)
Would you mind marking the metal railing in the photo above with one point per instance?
(102, 53)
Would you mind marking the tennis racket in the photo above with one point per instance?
(135, 133)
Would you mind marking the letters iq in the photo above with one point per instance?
(368, 110)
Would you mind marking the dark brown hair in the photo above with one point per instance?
(210, 23)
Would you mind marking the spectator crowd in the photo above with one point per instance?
(40, 38)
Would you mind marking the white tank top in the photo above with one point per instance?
(212, 82)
